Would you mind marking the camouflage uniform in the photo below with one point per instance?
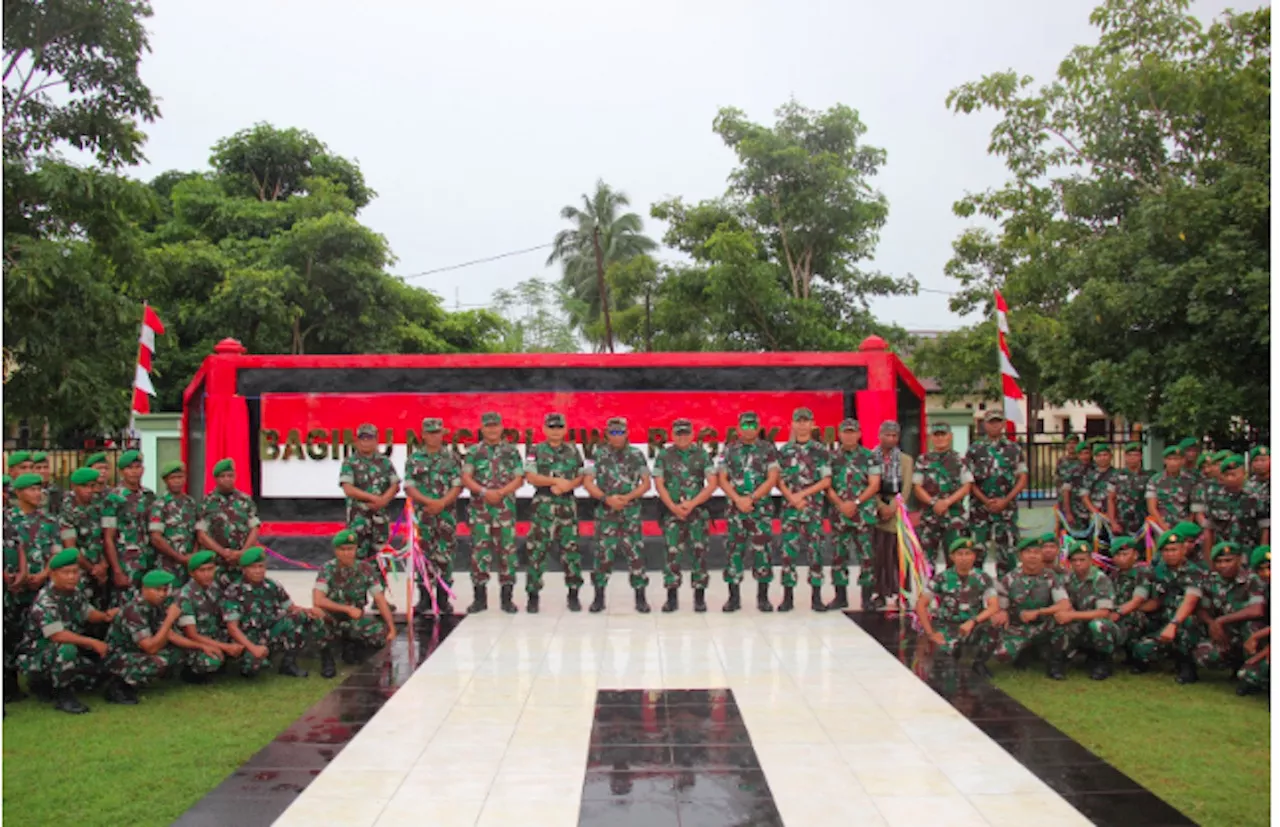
(1136, 582)
(493, 527)
(618, 472)
(1102, 484)
(228, 519)
(137, 621)
(941, 474)
(1260, 491)
(352, 586)
(54, 496)
(174, 516)
(435, 474)
(1170, 586)
(555, 516)
(201, 608)
(262, 611)
(747, 465)
(373, 474)
(83, 524)
(685, 473)
(1235, 516)
(129, 513)
(1172, 495)
(1067, 466)
(1222, 597)
(1090, 593)
(65, 665)
(851, 471)
(995, 466)
(1080, 482)
(1019, 592)
(37, 534)
(960, 600)
(1131, 499)
(802, 464)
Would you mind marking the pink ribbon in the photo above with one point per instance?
(289, 560)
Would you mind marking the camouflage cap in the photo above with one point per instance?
(1259, 556)
(890, 427)
(940, 428)
(748, 419)
(490, 418)
(1222, 548)
(850, 424)
(366, 430)
(616, 422)
(682, 426)
(432, 425)
(993, 415)
(553, 420)
(802, 415)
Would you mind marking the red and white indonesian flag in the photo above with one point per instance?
(1008, 375)
(143, 390)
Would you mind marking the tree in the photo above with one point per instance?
(619, 237)
(533, 319)
(776, 259)
(1132, 240)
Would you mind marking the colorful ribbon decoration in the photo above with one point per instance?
(912, 563)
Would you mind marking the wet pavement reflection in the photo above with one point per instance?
(264, 787)
(1104, 794)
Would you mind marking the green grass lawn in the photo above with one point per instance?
(1199, 747)
(146, 764)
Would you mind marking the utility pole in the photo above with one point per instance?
(604, 296)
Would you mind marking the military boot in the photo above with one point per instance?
(327, 667)
(481, 602)
(597, 603)
(350, 655)
(508, 605)
(117, 692)
(193, 677)
(980, 669)
(1186, 670)
(42, 688)
(815, 603)
(642, 602)
(573, 603)
(840, 601)
(788, 599)
(69, 703)
(1057, 667)
(442, 600)
(424, 601)
(1101, 667)
(762, 598)
(699, 600)
(289, 666)
(866, 599)
(734, 603)
(12, 692)
(531, 605)
(673, 601)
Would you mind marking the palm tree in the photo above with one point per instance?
(620, 237)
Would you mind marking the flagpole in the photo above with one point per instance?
(133, 428)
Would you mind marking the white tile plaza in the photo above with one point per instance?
(493, 728)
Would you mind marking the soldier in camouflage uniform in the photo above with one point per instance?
(1030, 596)
(143, 645)
(342, 590)
(685, 478)
(1088, 621)
(1075, 484)
(1229, 590)
(1259, 484)
(493, 472)
(999, 475)
(173, 523)
(200, 618)
(30, 542)
(748, 473)
(433, 481)
(1065, 468)
(618, 476)
(1231, 513)
(370, 482)
(261, 618)
(1131, 493)
(967, 600)
(80, 527)
(19, 463)
(58, 655)
(1169, 493)
(855, 480)
(1256, 674)
(227, 523)
(804, 473)
(126, 520)
(98, 462)
(1132, 587)
(1178, 585)
(41, 465)
(1192, 457)
(942, 481)
(1100, 496)
(554, 468)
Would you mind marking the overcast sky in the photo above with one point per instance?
(475, 122)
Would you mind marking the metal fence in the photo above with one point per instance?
(1045, 450)
(63, 460)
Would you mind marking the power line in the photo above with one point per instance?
(478, 261)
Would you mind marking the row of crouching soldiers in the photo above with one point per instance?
(1176, 609)
(78, 619)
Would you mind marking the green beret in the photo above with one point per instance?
(1119, 543)
(959, 543)
(128, 458)
(222, 466)
(1186, 530)
(1259, 451)
(64, 558)
(1133, 446)
(1219, 456)
(1200, 458)
(39, 456)
(27, 481)
(1222, 548)
(200, 558)
(157, 579)
(1260, 555)
(1167, 537)
(1102, 447)
(85, 476)
(170, 468)
(94, 459)
(1047, 537)
(1172, 451)
(1078, 547)
(253, 555)
(19, 457)
(346, 537)
(1029, 542)
(6, 479)
(1231, 462)
(1189, 442)
(802, 415)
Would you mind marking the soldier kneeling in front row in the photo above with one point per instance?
(342, 589)
(261, 617)
(1030, 596)
(967, 600)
